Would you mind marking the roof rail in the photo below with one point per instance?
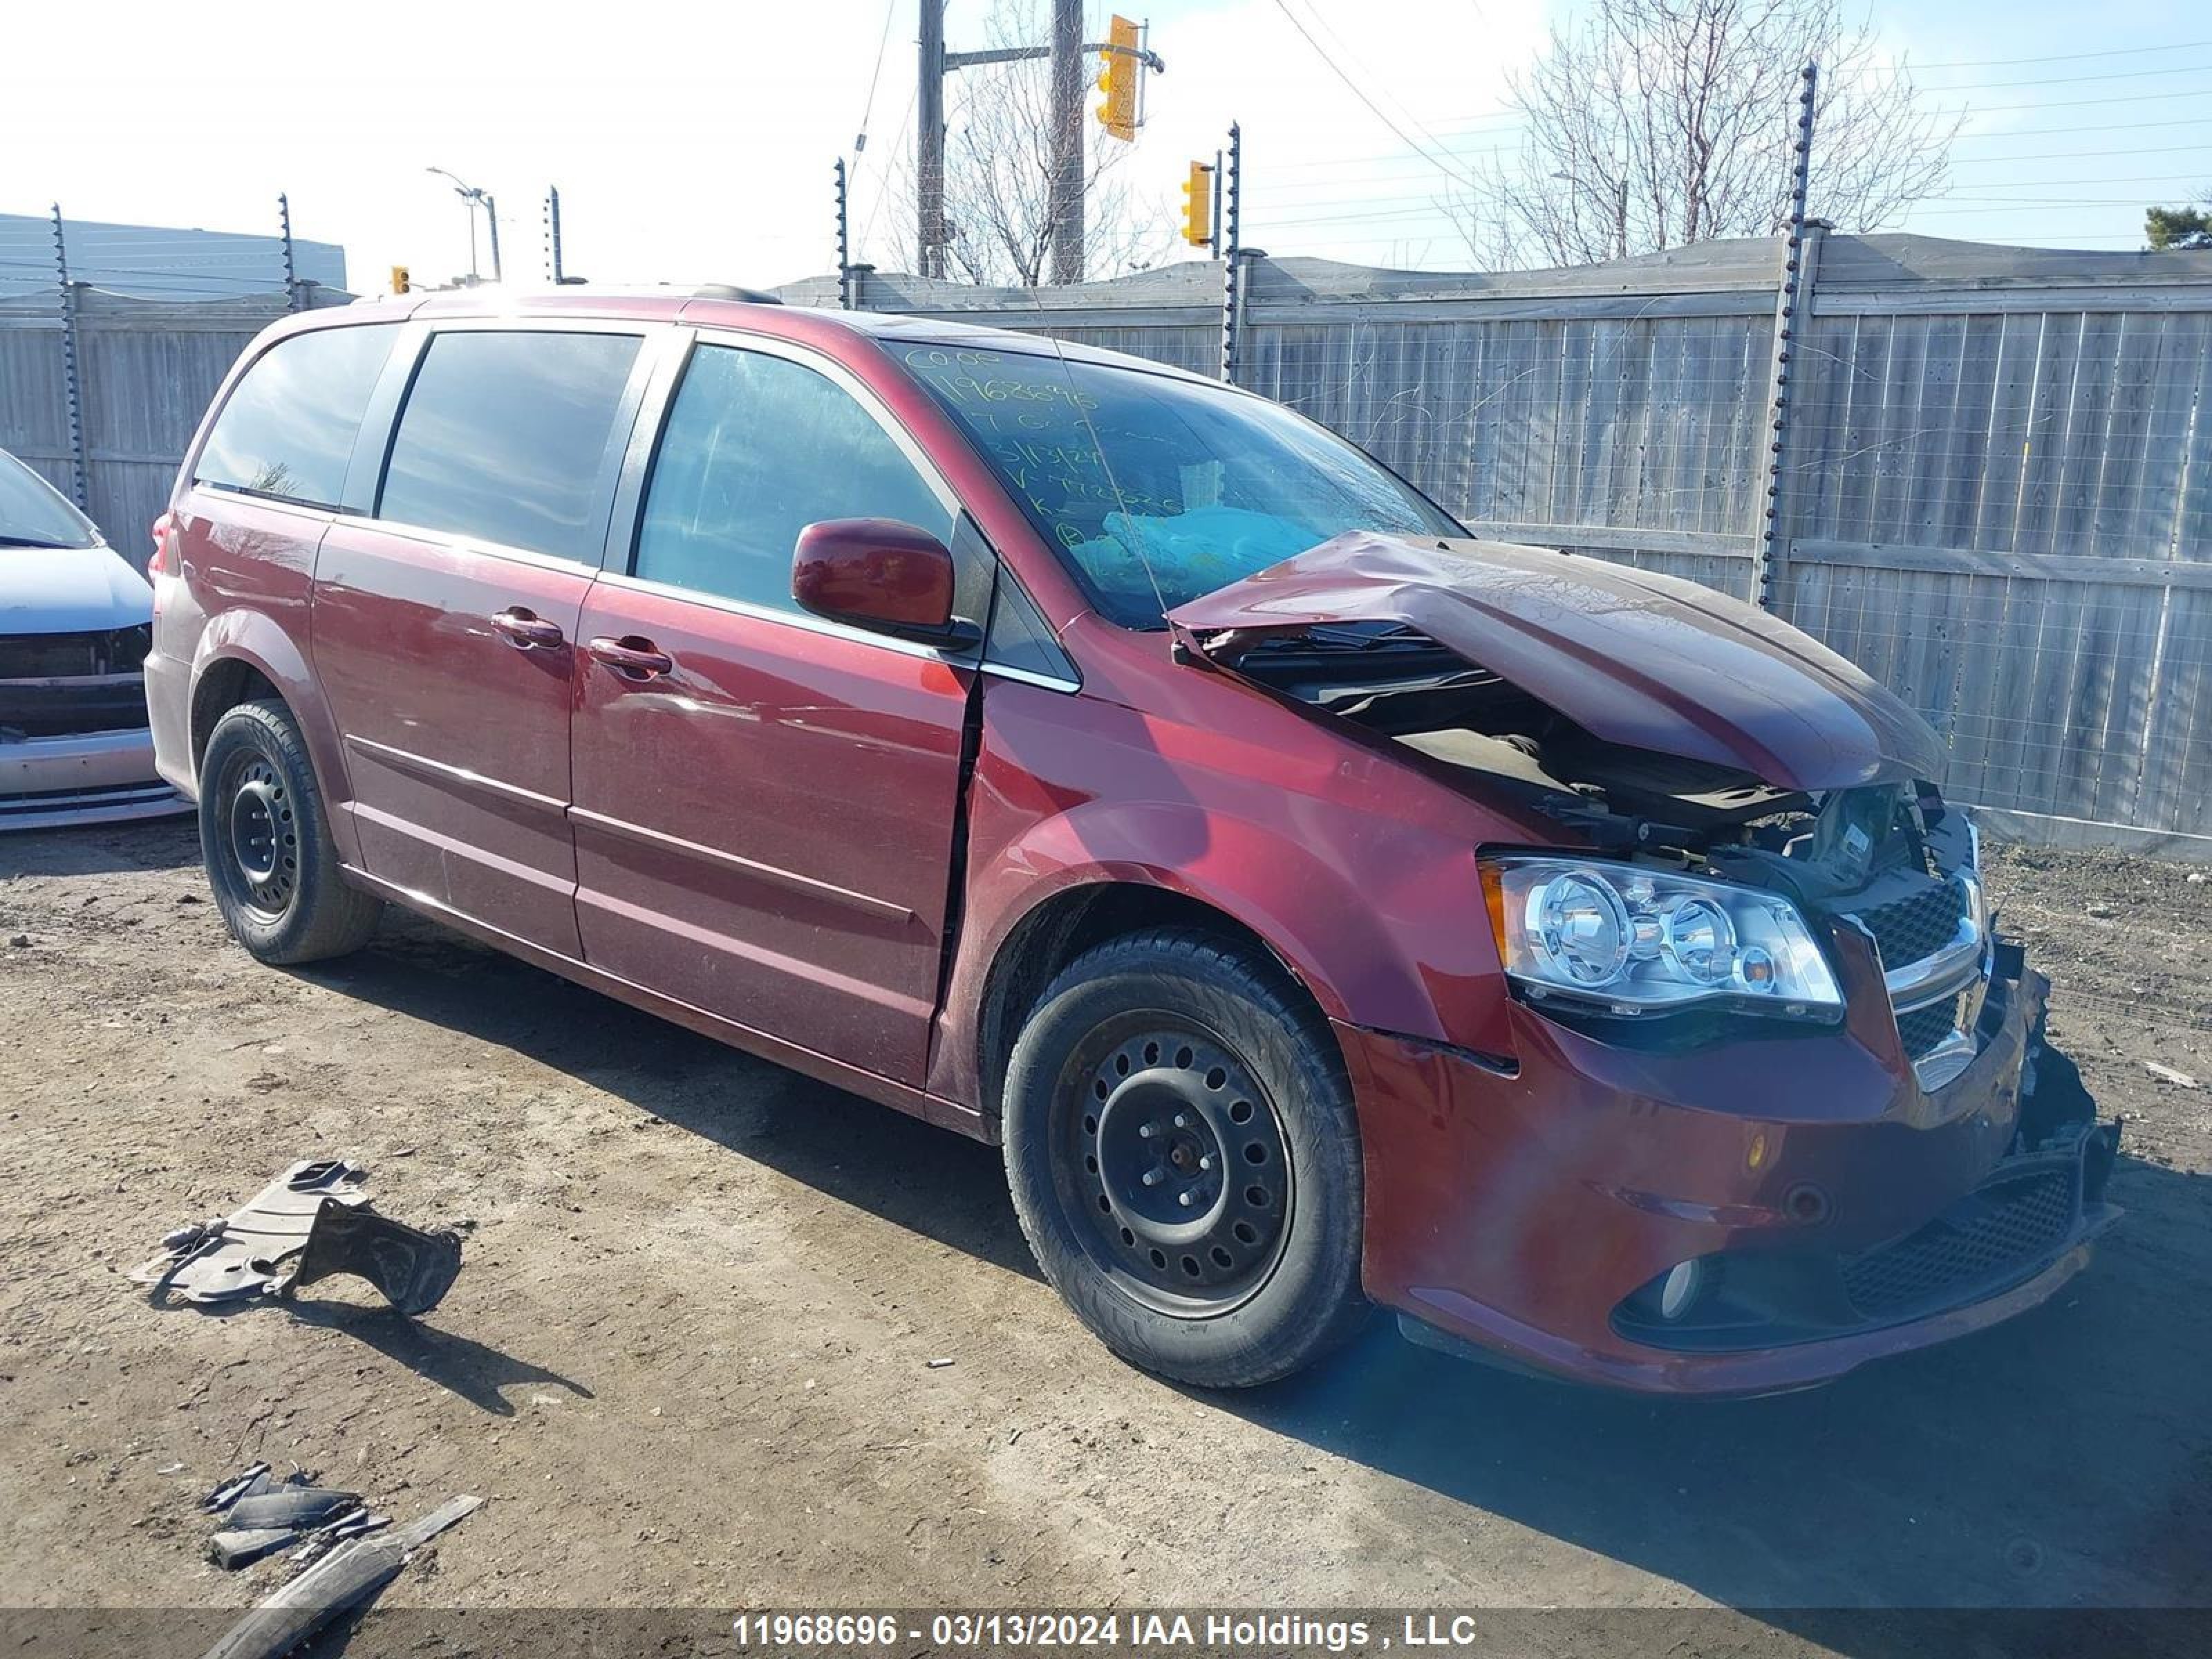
(759, 296)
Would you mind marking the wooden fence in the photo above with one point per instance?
(1991, 476)
(1993, 487)
(145, 371)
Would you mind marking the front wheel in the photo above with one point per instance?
(1183, 1156)
(266, 841)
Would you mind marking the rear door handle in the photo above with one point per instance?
(631, 657)
(526, 630)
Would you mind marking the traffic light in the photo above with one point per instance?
(1198, 206)
(1118, 80)
(400, 282)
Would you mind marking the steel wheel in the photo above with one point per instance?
(1174, 1159)
(259, 828)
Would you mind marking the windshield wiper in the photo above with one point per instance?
(31, 541)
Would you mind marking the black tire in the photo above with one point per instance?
(266, 841)
(1146, 1052)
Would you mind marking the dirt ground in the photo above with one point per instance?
(688, 1360)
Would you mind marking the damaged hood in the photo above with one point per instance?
(1634, 658)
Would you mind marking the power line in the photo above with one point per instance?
(868, 110)
(2078, 155)
(2062, 57)
(2067, 103)
(2066, 80)
(1353, 86)
(2052, 132)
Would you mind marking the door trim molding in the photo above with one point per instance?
(917, 1103)
(440, 772)
(782, 877)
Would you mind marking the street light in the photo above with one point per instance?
(475, 199)
(1619, 208)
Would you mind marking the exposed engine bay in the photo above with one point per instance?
(1872, 851)
(1407, 687)
(1736, 792)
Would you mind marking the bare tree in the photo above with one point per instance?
(1655, 123)
(997, 173)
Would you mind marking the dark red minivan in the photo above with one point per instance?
(1322, 908)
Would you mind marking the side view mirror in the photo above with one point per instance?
(879, 574)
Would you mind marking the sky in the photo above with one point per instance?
(694, 143)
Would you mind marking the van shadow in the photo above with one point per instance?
(922, 1178)
(2063, 1459)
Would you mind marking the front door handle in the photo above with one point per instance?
(631, 657)
(526, 630)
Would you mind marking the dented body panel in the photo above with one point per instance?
(1635, 658)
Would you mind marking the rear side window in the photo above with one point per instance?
(509, 437)
(289, 428)
(757, 449)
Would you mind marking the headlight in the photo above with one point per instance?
(1632, 941)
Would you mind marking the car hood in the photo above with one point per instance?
(70, 589)
(1632, 657)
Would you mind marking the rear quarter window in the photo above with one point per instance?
(288, 428)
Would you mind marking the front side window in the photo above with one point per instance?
(1157, 489)
(289, 428)
(757, 448)
(508, 438)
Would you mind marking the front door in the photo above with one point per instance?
(764, 802)
(444, 629)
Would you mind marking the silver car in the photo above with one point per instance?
(75, 624)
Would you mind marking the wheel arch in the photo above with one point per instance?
(221, 686)
(1079, 917)
(245, 655)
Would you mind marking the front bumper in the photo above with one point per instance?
(1529, 1210)
(94, 777)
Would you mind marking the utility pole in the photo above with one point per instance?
(491, 219)
(1064, 178)
(929, 142)
(1064, 197)
(1620, 218)
(291, 266)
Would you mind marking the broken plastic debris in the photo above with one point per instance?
(255, 1479)
(413, 1268)
(241, 1546)
(350, 1575)
(311, 1222)
(297, 1507)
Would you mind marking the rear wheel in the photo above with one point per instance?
(266, 840)
(1183, 1156)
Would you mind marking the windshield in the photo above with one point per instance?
(1157, 489)
(33, 514)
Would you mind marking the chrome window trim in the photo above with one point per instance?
(1028, 676)
(470, 545)
(805, 621)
